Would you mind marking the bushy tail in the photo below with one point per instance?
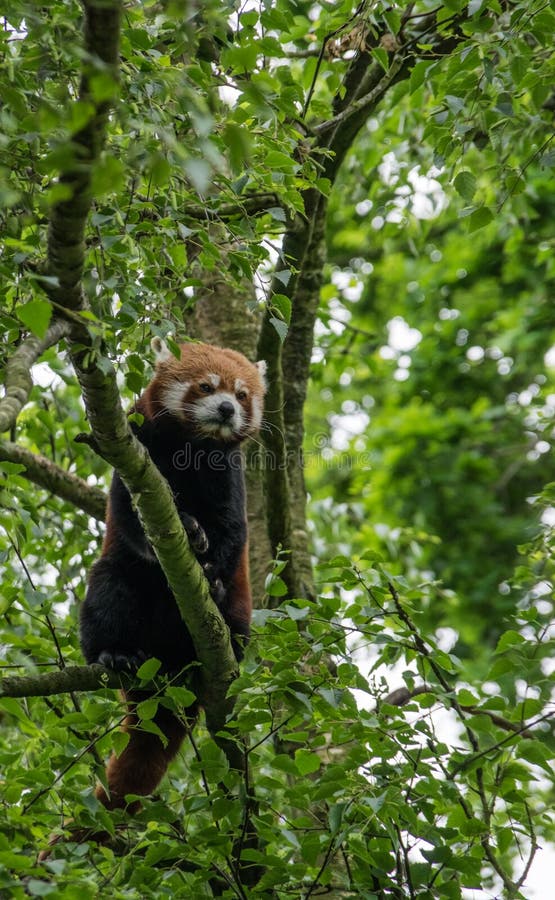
(142, 765)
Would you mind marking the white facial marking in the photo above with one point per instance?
(206, 414)
(214, 380)
(173, 397)
(161, 349)
(240, 385)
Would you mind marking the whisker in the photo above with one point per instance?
(279, 408)
(269, 426)
(258, 443)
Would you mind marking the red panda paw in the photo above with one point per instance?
(195, 533)
(121, 662)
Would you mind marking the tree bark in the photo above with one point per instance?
(68, 218)
(17, 381)
(112, 436)
(63, 681)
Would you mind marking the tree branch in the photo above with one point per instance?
(149, 490)
(68, 218)
(360, 108)
(153, 499)
(401, 696)
(46, 474)
(62, 681)
(215, 211)
(276, 483)
(18, 382)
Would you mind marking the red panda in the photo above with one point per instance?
(197, 410)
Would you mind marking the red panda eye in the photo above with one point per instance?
(206, 388)
(241, 395)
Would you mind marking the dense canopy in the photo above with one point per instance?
(362, 195)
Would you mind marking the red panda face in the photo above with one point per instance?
(216, 392)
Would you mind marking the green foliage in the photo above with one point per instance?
(431, 516)
(444, 354)
(354, 792)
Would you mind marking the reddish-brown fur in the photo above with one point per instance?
(198, 358)
(141, 766)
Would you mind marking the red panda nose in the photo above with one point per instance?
(226, 410)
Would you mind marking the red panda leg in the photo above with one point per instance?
(141, 766)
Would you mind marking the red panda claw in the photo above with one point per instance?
(121, 662)
(196, 534)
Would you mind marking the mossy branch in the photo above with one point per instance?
(62, 681)
(17, 380)
(46, 474)
(113, 439)
(68, 218)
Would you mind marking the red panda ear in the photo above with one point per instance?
(262, 366)
(161, 350)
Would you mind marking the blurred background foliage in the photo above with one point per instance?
(433, 390)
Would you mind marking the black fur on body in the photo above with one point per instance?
(130, 613)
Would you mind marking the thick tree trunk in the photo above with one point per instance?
(309, 244)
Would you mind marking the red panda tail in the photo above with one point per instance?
(141, 766)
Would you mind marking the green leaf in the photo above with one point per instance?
(147, 709)
(276, 160)
(280, 326)
(509, 639)
(465, 184)
(282, 303)
(275, 586)
(17, 861)
(533, 751)
(338, 562)
(120, 740)
(479, 218)
(160, 170)
(296, 613)
(149, 669)
(181, 695)
(277, 213)
(38, 888)
(134, 382)
(239, 143)
(200, 172)
(418, 74)
(307, 762)
(381, 55)
(36, 315)
(152, 728)
(80, 114)
(136, 418)
(467, 698)
(393, 19)
(107, 176)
